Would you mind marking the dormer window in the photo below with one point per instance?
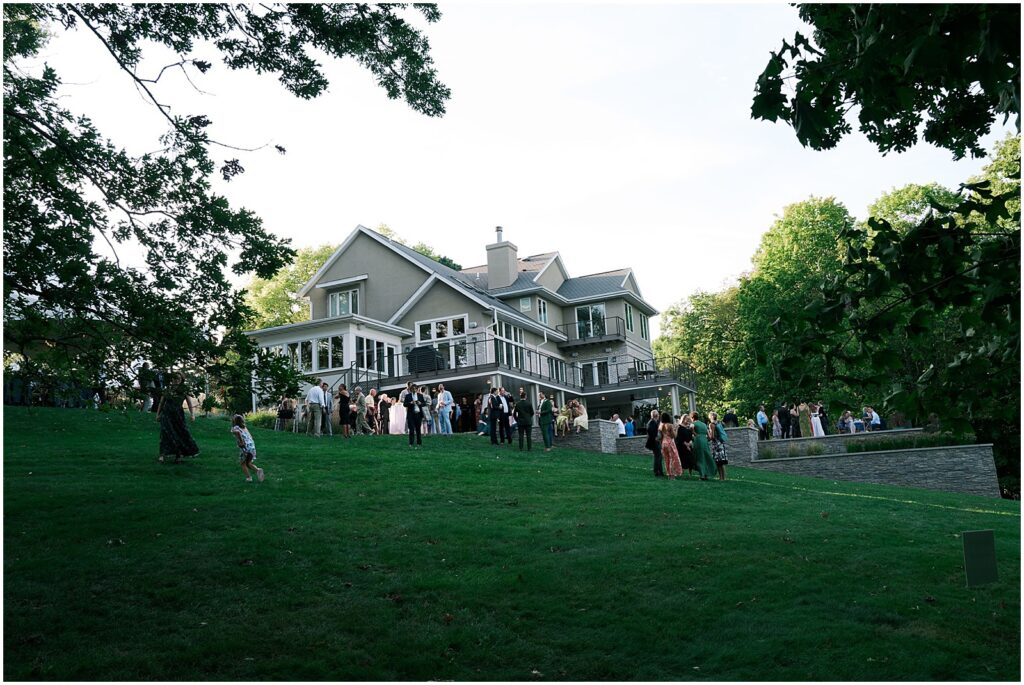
(343, 303)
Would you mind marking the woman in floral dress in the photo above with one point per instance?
(175, 439)
(669, 453)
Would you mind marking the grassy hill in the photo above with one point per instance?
(362, 559)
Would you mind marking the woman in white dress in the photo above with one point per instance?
(816, 428)
(397, 424)
(582, 421)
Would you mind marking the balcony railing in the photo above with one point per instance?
(486, 353)
(597, 330)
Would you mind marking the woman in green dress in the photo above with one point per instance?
(805, 421)
(175, 439)
(702, 449)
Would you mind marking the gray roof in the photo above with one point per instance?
(478, 288)
(592, 286)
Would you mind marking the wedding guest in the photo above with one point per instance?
(784, 419)
(794, 421)
(524, 420)
(667, 434)
(684, 444)
(494, 404)
(762, 424)
(816, 429)
(415, 404)
(776, 425)
(653, 444)
(630, 427)
(730, 419)
(718, 438)
(547, 421)
(504, 416)
(285, 413)
(344, 401)
(562, 422)
(582, 421)
(175, 438)
(445, 403)
(328, 409)
(384, 414)
(314, 408)
(620, 428)
(824, 418)
(701, 448)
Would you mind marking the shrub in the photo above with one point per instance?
(261, 419)
(909, 442)
(814, 449)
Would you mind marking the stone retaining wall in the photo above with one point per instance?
(600, 437)
(830, 444)
(968, 469)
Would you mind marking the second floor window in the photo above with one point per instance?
(629, 317)
(645, 331)
(343, 303)
(542, 311)
(590, 321)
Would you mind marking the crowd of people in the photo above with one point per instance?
(804, 420)
(687, 443)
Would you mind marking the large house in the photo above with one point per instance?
(381, 314)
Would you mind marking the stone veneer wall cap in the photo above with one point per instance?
(890, 431)
(861, 454)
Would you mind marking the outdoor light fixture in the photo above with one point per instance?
(602, 398)
(659, 389)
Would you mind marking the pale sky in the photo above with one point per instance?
(619, 135)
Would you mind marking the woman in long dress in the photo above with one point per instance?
(718, 437)
(562, 423)
(175, 439)
(805, 420)
(396, 418)
(702, 449)
(582, 421)
(684, 444)
(816, 429)
(669, 453)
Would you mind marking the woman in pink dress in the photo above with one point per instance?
(669, 453)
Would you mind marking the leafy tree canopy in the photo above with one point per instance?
(75, 202)
(952, 68)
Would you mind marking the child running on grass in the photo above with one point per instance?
(247, 453)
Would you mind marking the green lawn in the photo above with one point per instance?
(362, 559)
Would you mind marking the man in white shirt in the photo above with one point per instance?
(314, 408)
(619, 426)
(876, 420)
(444, 410)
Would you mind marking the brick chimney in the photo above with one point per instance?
(502, 262)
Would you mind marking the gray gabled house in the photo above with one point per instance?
(382, 314)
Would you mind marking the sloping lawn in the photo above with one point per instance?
(365, 560)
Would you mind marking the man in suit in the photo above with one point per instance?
(784, 417)
(503, 418)
(547, 421)
(414, 402)
(524, 421)
(653, 443)
(493, 412)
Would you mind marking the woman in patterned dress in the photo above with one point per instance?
(175, 439)
(718, 438)
(669, 453)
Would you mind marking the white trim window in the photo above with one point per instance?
(376, 355)
(525, 303)
(645, 331)
(629, 317)
(542, 311)
(343, 303)
(509, 344)
(449, 327)
(330, 353)
(590, 320)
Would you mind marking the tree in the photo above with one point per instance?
(703, 331)
(952, 68)
(275, 301)
(958, 268)
(67, 186)
(428, 251)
